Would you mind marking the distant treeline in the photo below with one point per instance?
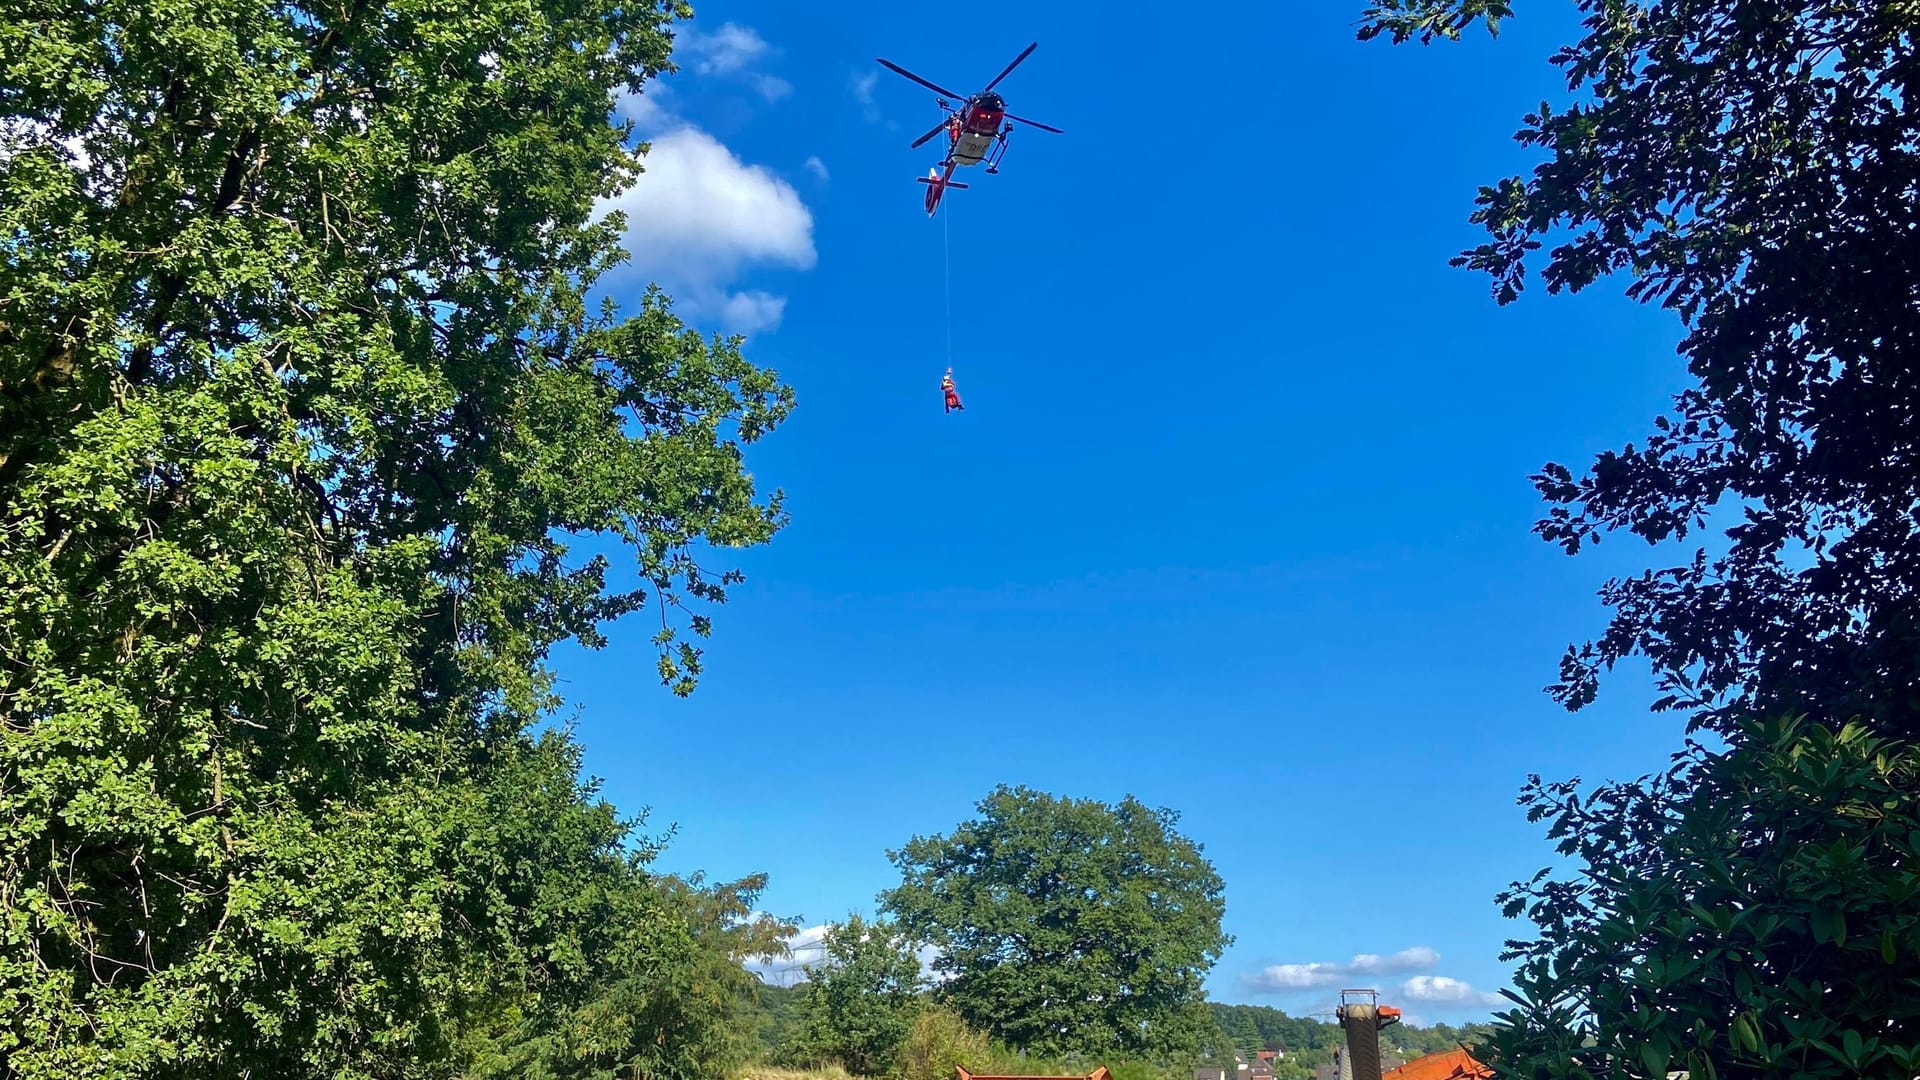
(1260, 1027)
(1250, 1028)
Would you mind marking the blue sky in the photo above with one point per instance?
(1237, 520)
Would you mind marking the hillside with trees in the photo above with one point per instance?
(1310, 1040)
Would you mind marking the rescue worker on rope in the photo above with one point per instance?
(953, 395)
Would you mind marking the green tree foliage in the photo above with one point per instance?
(1751, 164)
(1745, 913)
(1412, 1042)
(301, 400)
(1259, 1027)
(1753, 912)
(859, 1002)
(1068, 925)
(772, 1014)
(663, 997)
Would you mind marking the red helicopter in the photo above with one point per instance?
(973, 131)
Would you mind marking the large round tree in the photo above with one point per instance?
(301, 398)
(1068, 925)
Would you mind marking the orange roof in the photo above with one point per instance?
(1447, 1065)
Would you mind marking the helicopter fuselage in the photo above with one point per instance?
(975, 127)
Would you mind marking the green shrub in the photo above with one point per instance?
(857, 1006)
(1139, 1070)
(939, 1041)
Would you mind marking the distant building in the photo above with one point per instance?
(1210, 1072)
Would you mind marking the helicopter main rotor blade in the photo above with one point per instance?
(1036, 123)
(935, 87)
(937, 129)
(1010, 67)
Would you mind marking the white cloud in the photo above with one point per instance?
(863, 93)
(747, 312)
(733, 51)
(699, 216)
(729, 49)
(1441, 990)
(701, 205)
(815, 166)
(1291, 977)
(1414, 959)
(772, 87)
(649, 110)
(1283, 977)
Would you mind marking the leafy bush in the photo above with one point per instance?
(939, 1041)
(1754, 912)
(858, 1005)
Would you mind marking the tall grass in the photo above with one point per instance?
(770, 1072)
